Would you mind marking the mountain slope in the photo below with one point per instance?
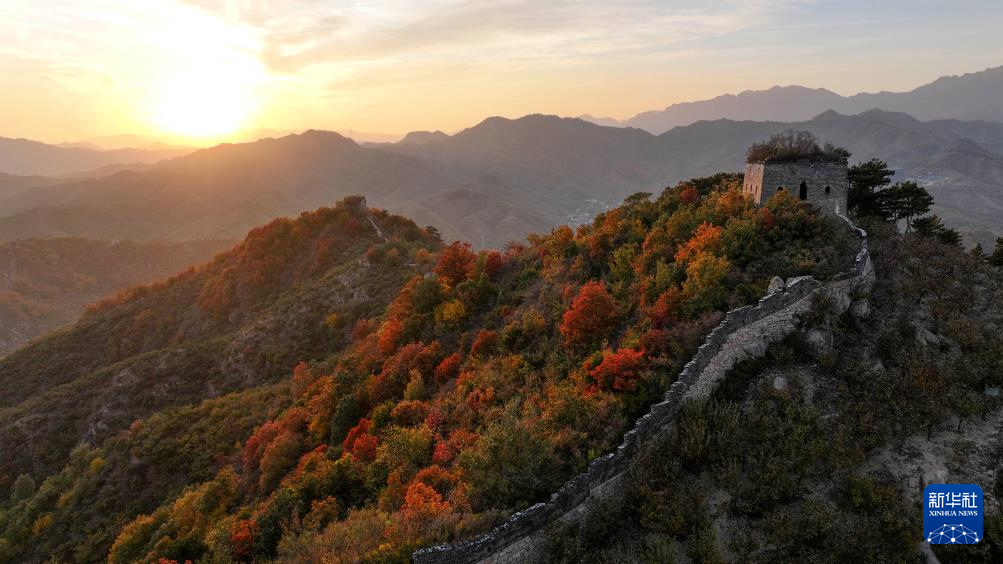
(47, 283)
(967, 97)
(289, 292)
(487, 381)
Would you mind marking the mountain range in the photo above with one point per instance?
(491, 183)
(27, 157)
(970, 97)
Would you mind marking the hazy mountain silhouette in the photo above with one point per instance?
(493, 182)
(973, 96)
(26, 157)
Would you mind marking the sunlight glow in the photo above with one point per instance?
(204, 103)
(208, 87)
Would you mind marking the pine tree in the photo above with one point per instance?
(904, 200)
(865, 179)
(997, 257)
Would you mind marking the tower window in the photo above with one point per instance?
(803, 190)
(826, 190)
(780, 189)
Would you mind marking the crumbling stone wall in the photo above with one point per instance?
(743, 333)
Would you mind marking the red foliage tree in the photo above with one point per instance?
(303, 377)
(493, 262)
(666, 307)
(363, 426)
(256, 444)
(364, 447)
(242, 540)
(591, 316)
(446, 450)
(434, 419)
(619, 371)
(455, 262)
(689, 195)
(448, 368)
(484, 343)
(393, 378)
(390, 335)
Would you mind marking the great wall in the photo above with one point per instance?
(745, 332)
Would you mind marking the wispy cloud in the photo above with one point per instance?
(298, 35)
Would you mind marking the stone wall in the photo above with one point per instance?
(743, 333)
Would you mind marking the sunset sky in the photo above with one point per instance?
(204, 69)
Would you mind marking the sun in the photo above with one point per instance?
(204, 103)
(206, 82)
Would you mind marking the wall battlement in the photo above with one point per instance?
(745, 332)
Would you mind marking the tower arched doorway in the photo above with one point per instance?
(803, 190)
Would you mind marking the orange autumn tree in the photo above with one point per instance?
(455, 262)
(592, 314)
(707, 238)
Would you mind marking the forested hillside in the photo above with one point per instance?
(489, 379)
(47, 283)
(291, 291)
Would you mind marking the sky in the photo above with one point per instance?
(212, 70)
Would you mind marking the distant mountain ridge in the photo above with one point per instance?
(972, 96)
(494, 182)
(26, 157)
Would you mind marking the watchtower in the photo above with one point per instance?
(817, 175)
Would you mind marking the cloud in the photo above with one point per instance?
(303, 33)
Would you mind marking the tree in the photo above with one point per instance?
(932, 226)
(455, 262)
(904, 200)
(978, 253)
(996, 259)
(950, 236)
(792, 145)
(928, 226)
(704, 287)
(865, 179)
(706, 238)
(24, 487)
(448, 369)
(280, 456)
(619, 371)
(433, 232)
(591, 316)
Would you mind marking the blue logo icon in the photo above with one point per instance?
(952, 514)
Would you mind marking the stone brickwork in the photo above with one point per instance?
(824, 184)
(743, 333)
